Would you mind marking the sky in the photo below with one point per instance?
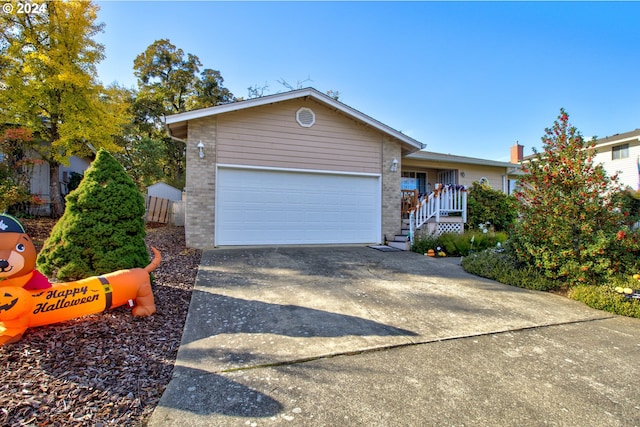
(465, 78)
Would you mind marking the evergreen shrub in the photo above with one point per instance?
(102, 228)
(486, 205)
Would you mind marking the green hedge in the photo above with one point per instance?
(498, 266)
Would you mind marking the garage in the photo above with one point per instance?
(292, 207)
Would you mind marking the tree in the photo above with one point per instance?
(169, 83)
(48, 83)
(209, 91)
(102, 229)
(144, 161)
(571, 225)
(15, 167)
(256, 91)
(165, 77)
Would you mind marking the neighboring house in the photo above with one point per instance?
(619, 154)
(40, 182)
(303, 168)
(164, 191)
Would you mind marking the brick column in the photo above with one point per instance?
(391, 215)
(200, 184)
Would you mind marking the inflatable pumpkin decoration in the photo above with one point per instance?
(27, 298)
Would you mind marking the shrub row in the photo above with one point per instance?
(498, 266)
(604, 297)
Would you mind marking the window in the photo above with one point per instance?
(620, 152)
(448, 177)
(412, 180)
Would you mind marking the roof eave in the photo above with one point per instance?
(450, 158)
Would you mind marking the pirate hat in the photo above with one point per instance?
(10, 224)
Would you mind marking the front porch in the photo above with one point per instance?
(444, 210)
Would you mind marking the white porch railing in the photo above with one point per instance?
(445, 200)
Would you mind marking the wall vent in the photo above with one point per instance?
(305, 117)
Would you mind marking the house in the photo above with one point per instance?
(292, 168)
(618, 154)
(301, 168)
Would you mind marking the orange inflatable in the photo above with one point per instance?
(27, 298)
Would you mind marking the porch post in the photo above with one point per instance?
(464, 206)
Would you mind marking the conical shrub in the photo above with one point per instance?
(102, 228)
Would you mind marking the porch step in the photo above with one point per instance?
(403, 245)
(401, 241)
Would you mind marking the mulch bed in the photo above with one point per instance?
(107, 369)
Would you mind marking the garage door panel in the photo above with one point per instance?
(255, 207)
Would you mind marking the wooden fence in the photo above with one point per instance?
(158, 209)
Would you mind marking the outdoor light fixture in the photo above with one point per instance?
(200, 149)
(394, 165)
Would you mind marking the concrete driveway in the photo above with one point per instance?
(352, 336)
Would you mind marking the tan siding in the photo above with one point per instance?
(270, 136)
(472, 173)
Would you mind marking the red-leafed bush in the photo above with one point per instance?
(573, 225)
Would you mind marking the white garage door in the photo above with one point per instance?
(264, 207)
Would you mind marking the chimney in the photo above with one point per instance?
(517, 153)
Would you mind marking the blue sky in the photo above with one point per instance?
(466, 78)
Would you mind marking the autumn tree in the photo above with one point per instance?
(15, 167)
(170, 82)
(48, 83)
(572, 225)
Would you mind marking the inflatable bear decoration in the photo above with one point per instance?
(28, 299)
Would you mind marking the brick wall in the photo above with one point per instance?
(200, 184)
(391, 218)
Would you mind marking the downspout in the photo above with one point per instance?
(168, 130)
(505, 183)
(506, 186)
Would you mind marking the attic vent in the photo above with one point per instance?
(305, 117)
